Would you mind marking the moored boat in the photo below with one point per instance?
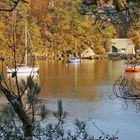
(132, 68)
(24, 69)
(74, 60)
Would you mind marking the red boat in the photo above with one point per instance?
(132, 68)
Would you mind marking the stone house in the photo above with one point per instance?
(121, 45)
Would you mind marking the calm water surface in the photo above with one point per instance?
(85, 89)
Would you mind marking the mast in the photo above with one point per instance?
(26, 45)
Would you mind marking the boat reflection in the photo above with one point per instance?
(133, 76)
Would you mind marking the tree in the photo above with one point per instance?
(21, 117)
(127, 90)
(71, 31)
(68, 31)
(134, 34)
(10, 5)
(16, 91)
(120, 13)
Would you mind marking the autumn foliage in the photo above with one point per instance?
(56, 29)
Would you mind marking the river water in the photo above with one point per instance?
(85, 90)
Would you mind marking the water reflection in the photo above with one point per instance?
(134, 76)
(82, 81)
(85, 89)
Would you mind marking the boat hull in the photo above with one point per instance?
(74, 61)
(23, 70)
(132, 69)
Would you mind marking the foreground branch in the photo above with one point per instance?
(18, 108)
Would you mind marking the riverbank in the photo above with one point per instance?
(63, 57)
(113, 56)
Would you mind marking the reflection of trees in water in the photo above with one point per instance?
(79, 81)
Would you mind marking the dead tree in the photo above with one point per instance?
(127, 90)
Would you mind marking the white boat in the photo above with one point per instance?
(74, 60)
(23, 69)
(23, 72)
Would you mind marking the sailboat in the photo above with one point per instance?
(24, 69)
